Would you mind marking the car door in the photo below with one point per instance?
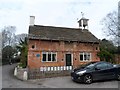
(110, 71)
(103, 71)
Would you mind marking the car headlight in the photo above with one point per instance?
(81, 72)
(72, 71)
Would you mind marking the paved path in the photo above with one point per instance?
(66, 82)
(9, 81)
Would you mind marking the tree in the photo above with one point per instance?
(7, 54)
(107, 51)
(18, 38)
(10, 39)
(108, 45)
(111, 25)
(22, 47)
(8, 34)
(112, 29)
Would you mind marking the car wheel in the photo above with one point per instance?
(88, 79)
(118, 77)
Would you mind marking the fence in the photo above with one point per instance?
(47, 72)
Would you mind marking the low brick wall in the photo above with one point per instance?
(20, 73)
(43, 72)
(48, 72)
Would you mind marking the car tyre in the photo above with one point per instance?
(118, 77)
(88, 79)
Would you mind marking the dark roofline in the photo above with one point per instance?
(63, 40)
(58, 27)
(37, 37)
(61, 33)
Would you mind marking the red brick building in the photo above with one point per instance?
(60, 46)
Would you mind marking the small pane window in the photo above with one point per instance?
(88, 56)
(49, 56)
(53, 57)
(85, 56)
(44, 57)
(81, 56)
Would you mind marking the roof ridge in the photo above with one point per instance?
(58, 27)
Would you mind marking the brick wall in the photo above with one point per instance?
(20, 73)
(61, 48)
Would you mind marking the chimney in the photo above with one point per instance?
(32, 20)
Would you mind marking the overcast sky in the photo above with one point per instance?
(62, 13)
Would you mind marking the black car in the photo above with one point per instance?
(96, 71)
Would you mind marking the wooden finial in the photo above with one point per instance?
(82, 14)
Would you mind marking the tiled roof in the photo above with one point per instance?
(61, 33)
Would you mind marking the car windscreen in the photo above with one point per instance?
(89, 65)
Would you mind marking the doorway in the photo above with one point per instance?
(68, 58)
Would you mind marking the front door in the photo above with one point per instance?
(68, 60)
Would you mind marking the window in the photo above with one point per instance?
(90, 66)
(109, 65)
(103, 66)
(85, 56)
(97, 48)
(81, 56)
(53, 57)
(49, 56)
(88, 56)
(44, 56)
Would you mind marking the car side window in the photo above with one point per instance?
(109, 65)
(101, 66)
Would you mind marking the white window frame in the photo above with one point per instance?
(47, 56)
(87, 53)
